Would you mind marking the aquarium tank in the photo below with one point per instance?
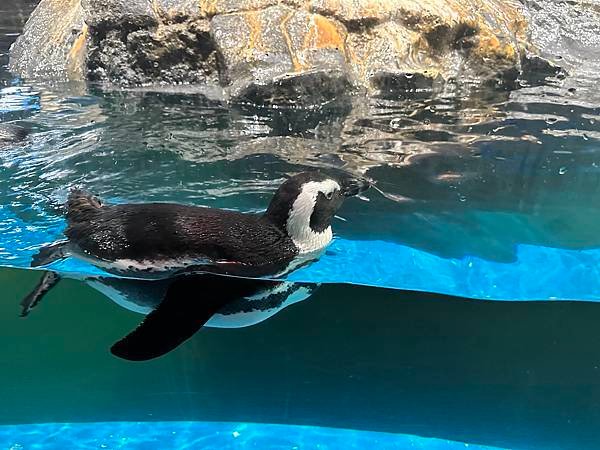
(300, 224)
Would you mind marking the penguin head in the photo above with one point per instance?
(305, 204)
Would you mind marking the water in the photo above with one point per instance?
(509, 178)
(212, 436)
(504, 374)
(488, 194)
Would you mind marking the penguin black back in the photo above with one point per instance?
(175, 235)
(166, 238)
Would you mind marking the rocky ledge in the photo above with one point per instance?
(269, 51)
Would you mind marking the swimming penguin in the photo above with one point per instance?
(159, 240)
(269, 297)
(177, 308)
(11, 133)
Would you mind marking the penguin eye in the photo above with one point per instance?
(329, 195)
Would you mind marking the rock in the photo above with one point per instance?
(177, 10)
(53, 42)
(390, 59)
(141, 42)
(104, 15)
(280, 52)
(265, 51)
(211, 8)
(170, 53)
(396, 46)
(567, 33)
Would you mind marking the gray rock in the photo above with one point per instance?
(53, 42)
(314, 88)
(169, 53)
(178, 10)
(104, 15)
(391, 59)
(266, 51)
(141, 42)
(280, 53)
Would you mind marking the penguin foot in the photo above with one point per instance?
(47, 282)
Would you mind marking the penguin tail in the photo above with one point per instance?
(49, 254)
(47, 282)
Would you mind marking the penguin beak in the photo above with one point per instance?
(354, 186)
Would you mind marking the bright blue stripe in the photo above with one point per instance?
(210, 435)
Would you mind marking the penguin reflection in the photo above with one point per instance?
(173, 315)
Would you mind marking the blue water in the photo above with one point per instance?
(539, 273)
(208, 436)
(505, 217)
(488, 194)
(448, 238)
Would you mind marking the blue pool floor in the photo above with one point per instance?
(207, 436)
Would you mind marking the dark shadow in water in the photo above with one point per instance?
(510, 374)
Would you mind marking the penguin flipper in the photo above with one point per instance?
(49, 254)
(176, 319)
(47, 282)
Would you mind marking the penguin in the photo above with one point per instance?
(11, 133)
(177, 308)
(269, 297)
(160, 240)
(192, 245)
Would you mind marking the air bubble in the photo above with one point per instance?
(562, 170)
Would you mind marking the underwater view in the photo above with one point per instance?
(225, 258)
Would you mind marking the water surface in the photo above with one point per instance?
(481, 184)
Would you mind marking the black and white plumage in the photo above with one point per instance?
(189, 249)
(176, 308)
(261, 300)
(157, 240)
